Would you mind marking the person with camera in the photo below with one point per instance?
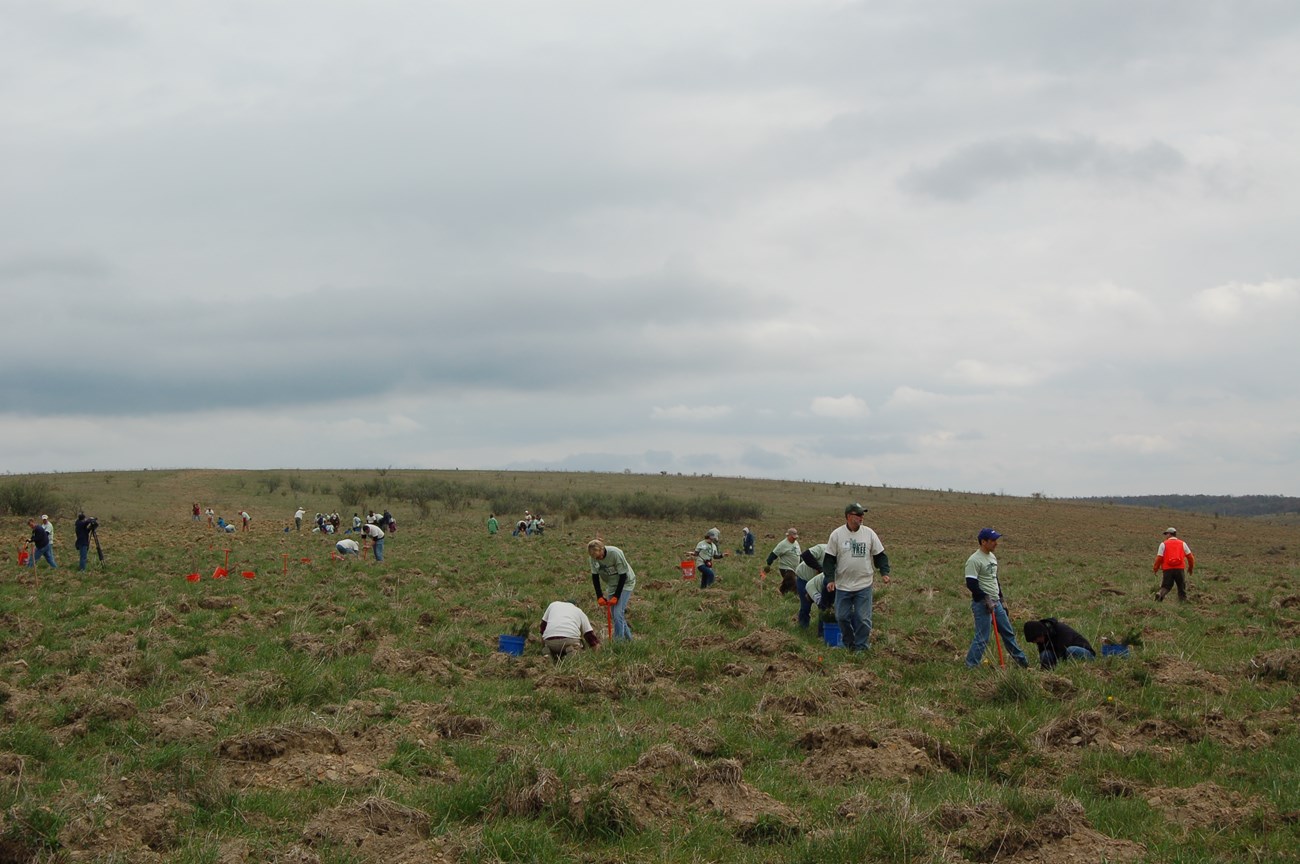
(83, 527)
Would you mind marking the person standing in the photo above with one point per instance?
(1174, 563)
(49, 528)
(376, 535)
(987, 603)
(245, 518)
(493, 525)
(565, 628)
(297, 518)
(1057, 642)
(853, 556)
(40, 541)
(197, 511)
(747, 540)
(705, 552)
(786, 556)
(82, 528)
(610, 569)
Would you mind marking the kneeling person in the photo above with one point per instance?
(566, 627)
(1057, 642)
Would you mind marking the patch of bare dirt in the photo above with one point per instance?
(1280, 665)
(1061, 833)
(282, 757)
(376, 829)
(765, 642)
(845, 751)
(137, 831)
(1173, 670)
(1207, 805)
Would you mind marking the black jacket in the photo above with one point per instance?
(1059, 637)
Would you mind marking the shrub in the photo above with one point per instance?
(28, 496)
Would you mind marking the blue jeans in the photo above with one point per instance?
(853, 610)
(984, 630)
(1047, 657)
(706, 575)
(805, 601)
(621, 630)
(46, 552)
(84, 552)
(379, 549)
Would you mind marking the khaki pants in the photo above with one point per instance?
(561, 645)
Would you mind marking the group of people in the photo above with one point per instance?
(40, 544)
(840, 575)
(531, 524)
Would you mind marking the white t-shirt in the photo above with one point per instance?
(298, 514)
(373, 531)
(346, 546)
(853, 551)
(565, 620)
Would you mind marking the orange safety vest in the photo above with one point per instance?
(1175, 554)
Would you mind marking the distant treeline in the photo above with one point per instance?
(1214, 505)
(510, 502)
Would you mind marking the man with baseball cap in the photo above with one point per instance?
(853, 555)
(1174, 563)
(986, 602)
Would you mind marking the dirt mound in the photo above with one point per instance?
(404, 661)
(799, 704)
(138, 832)
(179, 731)
(1060, 832)
(665, 785)
(1280, 665)
(277, 742)
(295, 758)
(1207, 805)
(845, 752)
(535, 790)
(1172, 670)
(765, 642)
(376, 830)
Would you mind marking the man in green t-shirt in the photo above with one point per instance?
(493, 525)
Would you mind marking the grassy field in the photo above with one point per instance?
(344, 711)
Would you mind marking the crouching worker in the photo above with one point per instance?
(348, 547)
(1057, 642)
(817, 594)
(565, 628)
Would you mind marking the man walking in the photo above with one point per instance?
(82, 528)
(987, 604)
(786, 557)
(1174, 563)
(853, 555)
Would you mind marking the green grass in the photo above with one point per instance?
(399, 662)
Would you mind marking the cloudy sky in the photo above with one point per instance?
(994, 245)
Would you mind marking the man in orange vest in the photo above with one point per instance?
(1173, 559)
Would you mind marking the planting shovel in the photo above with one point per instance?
(993, 616)
(609, 616)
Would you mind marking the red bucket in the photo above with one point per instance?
(688, 569)
(22, 559)
(191, 577)
(220, 573)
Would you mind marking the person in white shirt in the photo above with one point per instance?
(565, 628)
(853, 555)
(348, 547)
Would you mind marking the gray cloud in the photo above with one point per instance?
(976, 167)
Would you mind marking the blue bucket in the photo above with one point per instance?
(513, 645)
(831, 633)
(1114, 650)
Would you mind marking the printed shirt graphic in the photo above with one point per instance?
(705, 552)
(984, 567)
(853, 551)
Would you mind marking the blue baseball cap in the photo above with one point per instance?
(988, 534)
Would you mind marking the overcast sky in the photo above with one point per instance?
(1015, 246)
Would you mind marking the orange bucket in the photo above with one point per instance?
(22, 559)
(688, 569)
(248, 574)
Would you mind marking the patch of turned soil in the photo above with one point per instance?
(665, 785)
(840, 752)
(1173, 670)
(375, 829)
(1280, 665)
(1062, 833)
(1208, 805)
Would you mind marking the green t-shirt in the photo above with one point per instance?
(609, 568)
(705, 552)
(787, 554)
(493, 525)
(806, 573)
(984, 567)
